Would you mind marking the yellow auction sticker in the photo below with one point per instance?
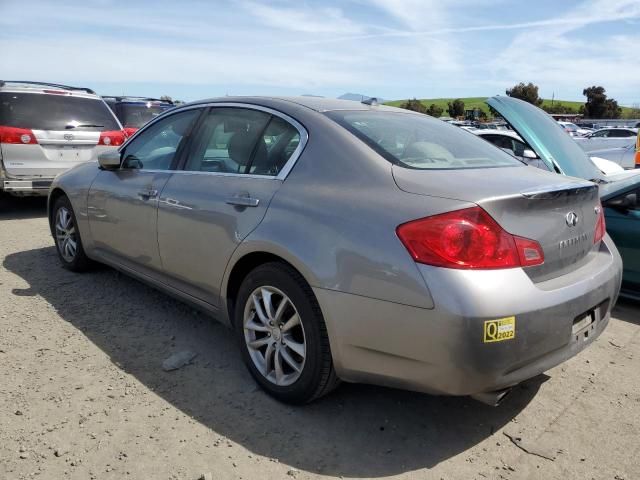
(500, 329)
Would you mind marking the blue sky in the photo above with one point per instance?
(387, 48)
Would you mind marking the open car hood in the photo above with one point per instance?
(552, 144)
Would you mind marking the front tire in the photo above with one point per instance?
(282, 335)
(67, 237)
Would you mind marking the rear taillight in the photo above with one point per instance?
(529, 251)
(129, 131)
(601, 227)
(17, 136)
(467, 239)
(113, 138)
(637, 156)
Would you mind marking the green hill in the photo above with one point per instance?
(478, 102)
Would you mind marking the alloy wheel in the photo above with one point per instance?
(66, 234)
(274, 335)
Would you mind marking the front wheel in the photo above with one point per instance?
(67, 237)
(283, 336)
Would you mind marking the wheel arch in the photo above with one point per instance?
(244, 262)
(54, 195)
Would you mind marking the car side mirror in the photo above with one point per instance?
(528, 153)
(109, 160)
(625, 203)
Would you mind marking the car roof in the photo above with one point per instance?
(506, 133)
(25, 86)
(143, 102)
(318, 104)
(632, 129)
(135, 100)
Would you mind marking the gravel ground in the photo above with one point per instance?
(83, 395)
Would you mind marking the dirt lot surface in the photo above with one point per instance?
(83, 395)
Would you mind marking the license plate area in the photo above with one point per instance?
(68, 152)
(71, 153)
(583, 326)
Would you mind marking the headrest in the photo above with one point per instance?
(181, 125)
(241, 145)
(428, 150)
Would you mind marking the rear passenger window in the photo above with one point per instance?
(622, 133)
(243, 141)
(281, 139)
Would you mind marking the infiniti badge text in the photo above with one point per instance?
(573, 241)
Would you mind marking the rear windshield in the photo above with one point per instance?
(135, 115)
(55, 112)
(421, 142)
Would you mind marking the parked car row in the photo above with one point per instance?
(606, 146)
(607, 138)
(45, 129)
(574, 130)
(611, 144)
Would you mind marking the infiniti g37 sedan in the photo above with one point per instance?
(354, 242)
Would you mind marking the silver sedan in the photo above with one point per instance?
(348, 241)
(625, 156)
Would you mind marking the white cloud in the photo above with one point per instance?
(94, 59)
(301, 18)
(415, 14)
(410, 47)
(549, 54)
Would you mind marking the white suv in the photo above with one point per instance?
(45, 129)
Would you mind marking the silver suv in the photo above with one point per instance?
(45, 129)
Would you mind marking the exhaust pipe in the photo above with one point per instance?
(492, 399)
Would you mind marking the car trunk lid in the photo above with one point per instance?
(67, 146)
(54, 152)
(559, 213)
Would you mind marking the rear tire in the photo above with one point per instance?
(282, 335)
(66, 235)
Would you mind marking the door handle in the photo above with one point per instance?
(243, 201)
(148, 194)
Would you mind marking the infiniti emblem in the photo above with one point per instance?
(68, 136)
(572, 219)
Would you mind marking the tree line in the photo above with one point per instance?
(597, 104)
(455, 109)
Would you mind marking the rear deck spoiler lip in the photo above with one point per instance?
(555, 191)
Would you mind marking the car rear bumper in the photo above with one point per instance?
(443, 350)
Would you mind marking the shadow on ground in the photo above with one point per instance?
(627, 309)
(357, 431)
(16, 208)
